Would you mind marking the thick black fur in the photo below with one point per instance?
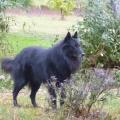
(36, 65)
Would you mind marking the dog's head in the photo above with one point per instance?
(71, 47)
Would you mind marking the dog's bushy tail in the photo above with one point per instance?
(6, 65)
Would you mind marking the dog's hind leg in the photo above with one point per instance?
(34, 89)
(62, 94)
(18, 85)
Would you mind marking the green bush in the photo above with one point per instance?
(100, 34)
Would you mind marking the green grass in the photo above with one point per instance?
(5, 84)
(43, 112)
(112, 106)
(19, 41)
(26, 111)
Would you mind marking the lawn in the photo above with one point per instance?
(48, 25)
(26, 111)
(19, 41)
(15, 42)
(43, 112)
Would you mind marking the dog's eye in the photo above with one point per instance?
(77, 45)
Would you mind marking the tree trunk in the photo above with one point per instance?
(62, 14)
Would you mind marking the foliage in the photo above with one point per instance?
(21, 2)
(4, 28)
(5, 84)
(65, 6)
(100, 34)
(87, 95)
(117, 76)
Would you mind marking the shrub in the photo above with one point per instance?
(86, 96)
(100, 34)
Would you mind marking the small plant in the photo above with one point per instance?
(86, 96)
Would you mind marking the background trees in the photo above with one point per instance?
(64, 6)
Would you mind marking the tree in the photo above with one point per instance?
(65, 6)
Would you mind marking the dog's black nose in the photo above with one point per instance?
(83, 54)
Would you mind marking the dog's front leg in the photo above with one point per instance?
(52, 93)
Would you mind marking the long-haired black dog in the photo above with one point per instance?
(36, 65)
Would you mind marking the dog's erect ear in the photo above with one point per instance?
(75, 35)
(68, 36)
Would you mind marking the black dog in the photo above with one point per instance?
(35, 65)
